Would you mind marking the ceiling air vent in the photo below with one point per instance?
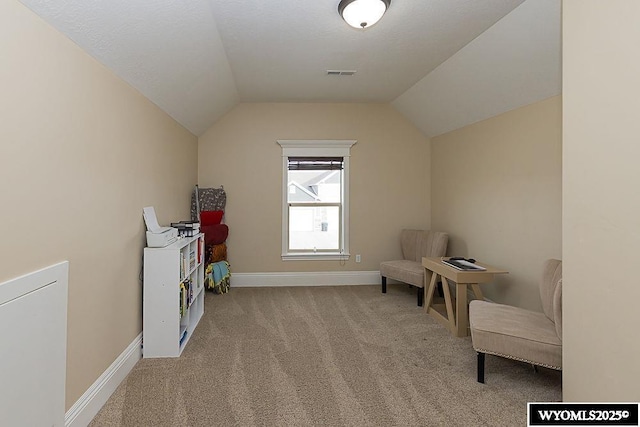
(341, 72)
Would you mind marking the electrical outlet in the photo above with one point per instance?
(358, 258)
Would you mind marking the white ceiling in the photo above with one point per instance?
(197, 59)
(170, 50)
(280, 50)
(514, 63)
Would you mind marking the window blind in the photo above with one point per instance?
(315, 163)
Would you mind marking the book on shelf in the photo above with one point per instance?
(184, 266)
(183, 302)
(462, 264)
(192, 259)
(188, 292)
(183, 334)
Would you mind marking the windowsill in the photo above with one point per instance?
(320, 256)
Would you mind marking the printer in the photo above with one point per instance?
(162, 237)
(157, 237)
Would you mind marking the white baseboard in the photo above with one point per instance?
(85, 408)
(318, 278)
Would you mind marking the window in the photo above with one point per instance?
(315, 199)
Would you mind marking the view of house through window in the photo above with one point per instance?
(314, 197)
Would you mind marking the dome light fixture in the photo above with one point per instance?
(362, 14)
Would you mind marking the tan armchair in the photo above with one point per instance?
(520, 334)
(415, 244)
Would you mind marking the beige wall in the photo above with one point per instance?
(496, 188)
(389, 179)
(601, 205)
(80, 154)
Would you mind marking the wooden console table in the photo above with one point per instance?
(456, 319)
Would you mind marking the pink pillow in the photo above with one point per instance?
(210, 217)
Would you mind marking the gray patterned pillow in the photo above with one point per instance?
(210, 199)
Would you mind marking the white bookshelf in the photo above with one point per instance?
(173, 298)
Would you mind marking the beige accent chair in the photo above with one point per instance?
(519, 334)
(415, 244)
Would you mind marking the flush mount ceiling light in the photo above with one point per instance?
(362, 13)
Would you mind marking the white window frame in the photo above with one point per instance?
(316, 148)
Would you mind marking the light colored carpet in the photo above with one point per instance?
(325, 356)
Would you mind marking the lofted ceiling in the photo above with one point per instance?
(197, 59)
(280, 50)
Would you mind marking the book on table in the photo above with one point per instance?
(463, 264)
